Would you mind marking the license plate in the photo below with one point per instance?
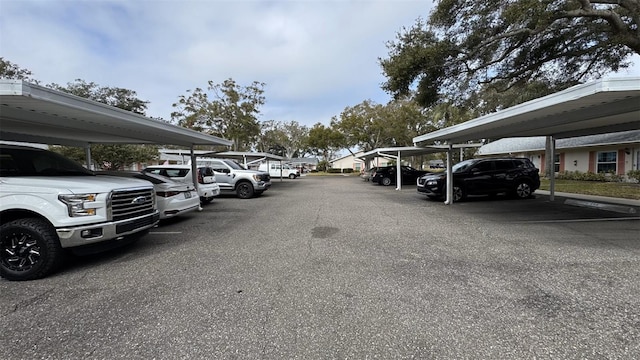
(187, 195)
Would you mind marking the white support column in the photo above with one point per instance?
(398, 173)
(87, 155)
(449, 188)
(552, 167)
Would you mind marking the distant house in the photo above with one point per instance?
(352, 162)
(613, 152)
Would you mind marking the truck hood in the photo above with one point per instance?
(76, 184)
(250, 172)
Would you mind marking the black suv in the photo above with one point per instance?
(489, 176)
(387, 175)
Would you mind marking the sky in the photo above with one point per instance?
(316, 57)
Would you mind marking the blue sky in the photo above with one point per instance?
(315, 56)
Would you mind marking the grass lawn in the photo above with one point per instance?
(612, 189)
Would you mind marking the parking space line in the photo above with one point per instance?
(165, 232)
(577, 220)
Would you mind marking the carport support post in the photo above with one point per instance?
(398, 173)
(449, 188)
(87, 154)
(194, 169)
(551, 166)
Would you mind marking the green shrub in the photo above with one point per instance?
(347, 171)
(334, 171)
(589, 176)
(634, 174)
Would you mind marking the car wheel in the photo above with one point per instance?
(29, 249)
(522, 190)
(244, 190)
(386, 181)
(458, 194)
(205, 200)
(292, 176)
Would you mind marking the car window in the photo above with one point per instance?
(483, 166)
(462, 166)
(206, 171)
(504, 165)
(233, 165)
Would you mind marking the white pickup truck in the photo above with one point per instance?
(49, 204)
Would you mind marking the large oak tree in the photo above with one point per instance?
(467, 47)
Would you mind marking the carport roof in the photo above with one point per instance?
(409, 151)
(33, 113)
(603, 106)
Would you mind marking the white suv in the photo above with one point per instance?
(207, 186)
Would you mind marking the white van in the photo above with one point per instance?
(207, 186)
(275, 169)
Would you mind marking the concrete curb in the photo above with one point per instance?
(625, 206)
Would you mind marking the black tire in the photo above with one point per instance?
(386, 181)
(204, 200)
(522, 190)
(244, 190)
(29, 249)
(292, 176)
(458, 193)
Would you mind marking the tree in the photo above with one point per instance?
(469, 46)
(281, 138)
(232, 114)
(11, 71)
(324, 141)
(111, 156)
(364, 125)
(113, 96)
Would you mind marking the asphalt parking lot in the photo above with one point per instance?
(335, 268)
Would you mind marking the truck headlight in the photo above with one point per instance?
(256, 177)
(431, 182)
(79, 204)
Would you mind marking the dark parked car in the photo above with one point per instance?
(490, 176)
(387, 175)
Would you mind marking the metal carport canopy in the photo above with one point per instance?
(602, 106)
(33, 113)
(397, 153)
(36, 114)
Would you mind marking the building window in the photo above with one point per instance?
(556, 163)
(607, 161)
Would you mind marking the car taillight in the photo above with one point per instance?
(200, 180)
(166, 194)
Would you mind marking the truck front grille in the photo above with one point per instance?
(128, 204)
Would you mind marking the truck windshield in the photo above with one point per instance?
(36, 162)
(233, 165)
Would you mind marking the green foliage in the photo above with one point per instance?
(111, 157)
(324, 141)
(323, 165)
(468, 46)
(333, 171)
(11, 71)
(634, 175)
(113, 96)
(231, 114)
(286, 139)
(589, 176)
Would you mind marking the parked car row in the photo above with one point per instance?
(516, 177)
(50, 205)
